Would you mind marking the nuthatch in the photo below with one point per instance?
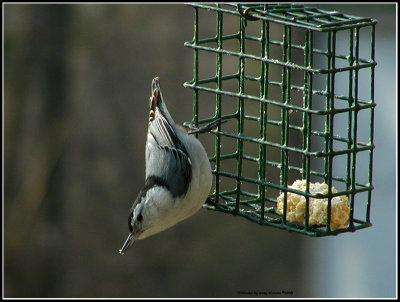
(178, 174)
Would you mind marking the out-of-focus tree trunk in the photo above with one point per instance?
(34, 172)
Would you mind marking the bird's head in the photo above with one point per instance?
(135, 220)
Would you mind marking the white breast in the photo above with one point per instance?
(166, 211)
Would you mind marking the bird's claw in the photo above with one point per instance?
(206, 128)
(212, 202)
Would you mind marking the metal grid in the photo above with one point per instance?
(312, 105)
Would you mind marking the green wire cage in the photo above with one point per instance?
(300, 101)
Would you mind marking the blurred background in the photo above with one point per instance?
(76, 87)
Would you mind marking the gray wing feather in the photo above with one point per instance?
(166, 156)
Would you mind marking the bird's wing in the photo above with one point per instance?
(166, 156)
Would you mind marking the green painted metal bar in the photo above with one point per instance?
(306, 135)
(359, 189)
(350, 123)
(329, 125)
(361, 146)
(277, 62)
(371, 153)
(218, 103)
(196, 69)
(273, 102)
(263, 114)
(292, 149)
(240, 106)
(285, 97)
(355, 125)
(272, 42)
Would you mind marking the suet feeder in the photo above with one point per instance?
(301, 82)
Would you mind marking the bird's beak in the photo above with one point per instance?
(128, 243)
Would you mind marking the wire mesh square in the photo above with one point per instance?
(292, 80)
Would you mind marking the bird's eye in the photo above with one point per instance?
(140, 217)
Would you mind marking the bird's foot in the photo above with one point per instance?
(206, 128)
(212, 202)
